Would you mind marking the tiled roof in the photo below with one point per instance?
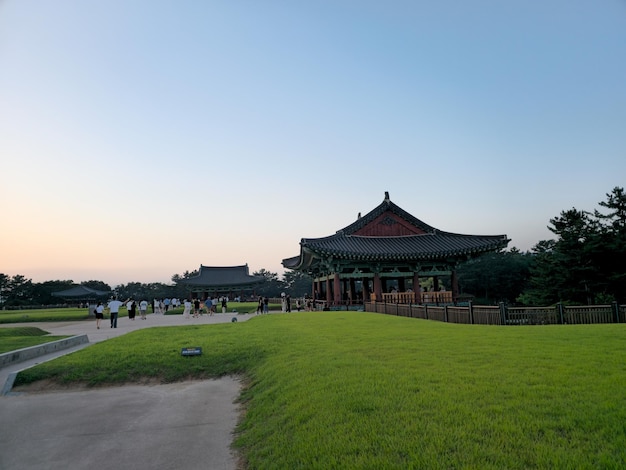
(427, 244)
(386, 206)
(412, 247)
(222, 276)
(81, 292)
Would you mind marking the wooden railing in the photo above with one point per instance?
(503, 315)
(439, 297)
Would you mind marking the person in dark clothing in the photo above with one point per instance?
(131, 306)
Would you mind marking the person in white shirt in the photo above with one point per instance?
(114, 309)
(143, 309)
(187, 309)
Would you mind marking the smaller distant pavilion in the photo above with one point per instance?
(217, 281)
(383, 255)
(81, 293)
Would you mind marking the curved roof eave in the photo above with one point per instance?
(428, 246)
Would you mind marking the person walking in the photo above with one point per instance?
(143, 309)
(99, 314)
(187, 309)
(224, 305)
(114, 310)
(196, 307)
(131, 306)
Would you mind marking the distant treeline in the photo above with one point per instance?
(18, 291)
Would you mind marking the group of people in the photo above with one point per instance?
(162, 306)
(194, 307)
(209, 305)
(285, 302)
(262, 305)
(114, 309)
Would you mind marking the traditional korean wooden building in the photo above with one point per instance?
(384, 254)
(80, 293)
(212, 281)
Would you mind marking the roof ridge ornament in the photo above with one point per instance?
(386, 196)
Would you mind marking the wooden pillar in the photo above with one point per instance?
(378, 288)
(337, 289)
(455, 286)
(328, 297)
(416, 288)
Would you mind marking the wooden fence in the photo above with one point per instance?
(502, 315)
(425, 297)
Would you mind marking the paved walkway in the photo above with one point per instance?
(186, 425)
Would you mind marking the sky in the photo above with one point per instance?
(140, 139)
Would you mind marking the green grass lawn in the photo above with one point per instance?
(23, 337)
(45, 315)
(239, 307)
(77, 314)
(360, 390)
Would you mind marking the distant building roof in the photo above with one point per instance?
(221, 277)
(81, 292)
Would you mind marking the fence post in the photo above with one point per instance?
(470, 306)
(426, 311)
(502, 313)
(559, 307)
(615, 309)
(445, 313)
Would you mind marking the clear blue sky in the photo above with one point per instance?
(140, 139)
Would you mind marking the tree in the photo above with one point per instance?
(585, 264)
(42, 292)
(575, 230)
(608, 250)
(97, 285)
(545, 276)
(272, 286)
(495, 277)
(20, 291)
(180, 291)
(297, 283)
(137, 290)
(4, 288)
